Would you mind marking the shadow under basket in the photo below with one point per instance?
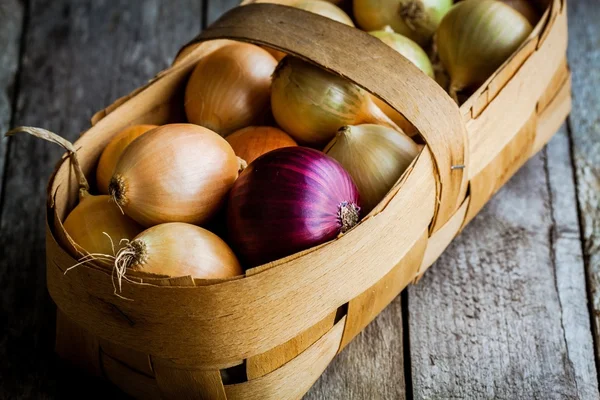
(271, 333)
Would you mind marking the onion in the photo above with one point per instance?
(112, 152)
(229, 89)
(254, 141)
(525, 8)
(288, 200)
(178, 249)
(311, 104)
(416, 19)
(174, 173)
(96, 226)
(414, 53)
(475, 38)
(321, 7)
(375, 157)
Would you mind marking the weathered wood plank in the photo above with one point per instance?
(503, 313)
(78, 57)
(584, 57)
(216, 8)
(11, 27)
(371, 367)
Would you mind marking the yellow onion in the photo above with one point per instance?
(95, 226)
(174, 173)
(324, 9)
(321, 7)
(414, 53)
(277, 55)
(311, 104)
(475, 38)
(112, 152)
(416, 19)
(375, 156)
(254, 141)
(229, 88)
(526, 8)
(178, 249)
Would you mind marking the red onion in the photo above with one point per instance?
(288, 200)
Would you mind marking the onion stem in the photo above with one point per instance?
(84, 187)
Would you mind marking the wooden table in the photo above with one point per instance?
(510, 311)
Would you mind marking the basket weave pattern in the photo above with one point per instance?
(283, 322)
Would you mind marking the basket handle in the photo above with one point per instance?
(375, 67)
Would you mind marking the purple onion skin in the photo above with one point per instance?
(286, 201)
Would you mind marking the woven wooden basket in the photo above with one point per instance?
(271, 333)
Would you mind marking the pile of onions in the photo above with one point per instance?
(375, 157)
(475, 38)
(174, 173)
(112, 152)
(254, 141)
(311, 104)
(288, 200)
(95, 226)
(416, 19)
(229, 89)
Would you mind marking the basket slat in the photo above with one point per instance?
(175, 382)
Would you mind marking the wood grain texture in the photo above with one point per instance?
(503, 313)
(78, 57)
(11, 28)
(584, 56)
(216, 8)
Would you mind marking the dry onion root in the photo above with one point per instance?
(174, 173)
(96, 225)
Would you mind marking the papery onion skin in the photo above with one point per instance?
(174, 173)
(475, 38)
(229, 89)
(179, 249)
(408, 48)
(95, 217)
(375, 157)
(112, 152)
(289, 200)
(324, 8)
(526, 8)
(311, 104)
(254, 141)
(416, 19)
